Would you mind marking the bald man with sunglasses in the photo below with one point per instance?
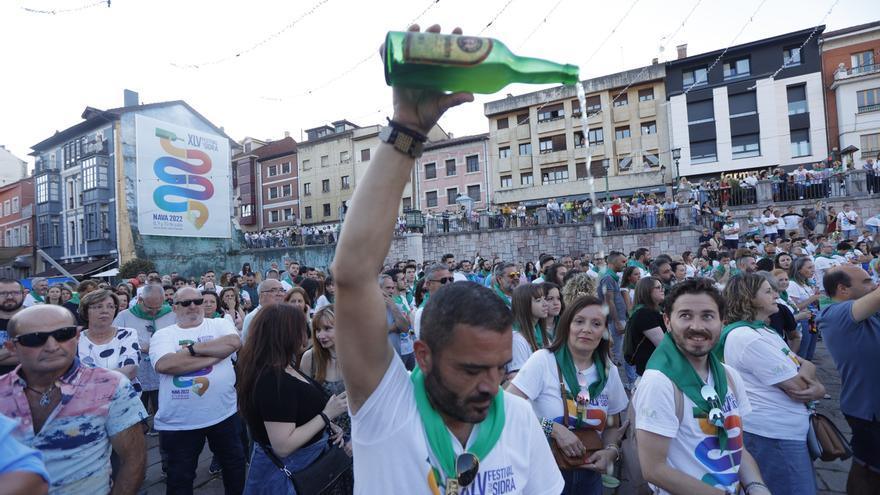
(100, 409)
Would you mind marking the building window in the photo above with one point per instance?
(551, 144)
(307, 189)
(624, 163)
(307, 164)
(791, 56)
(646, 94)
(344, 157)
(288, 214)
(407, 204)
(325, 161)
(575, 108)
(502, 123)
(272, 171)
(247, 211)
(621, 133)
(273, 192)
(797, 99)
(649, 128)
(273, 216)
(862, 62)
(308, 212)
(525, 149)
(870, 145)
(800, 143)
(650, 160)
(365, 155)
(7, 208)
(694, 77)
(704, 151)
(473, 163)
(522, 119)
(285, 191)
(450, 167)
(506, 181)
(869, 100)
(504, 152)
(285, 168)
(473, 192)
(580, 171)
(325, 185)
(578, 139)
(594, 104)
(746, 146)
(90, 174)
(551, 112)
(742, 104)
(430, 171)
(555, 175)
(327, 209)
(700, 112)
(596, 136)
(14, 205)
(621, 100)
(451, 194)
(526, 179)
(736, 68)
(431, 199)
(345, 182)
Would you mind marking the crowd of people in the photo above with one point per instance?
(296, 235)
(461, 376)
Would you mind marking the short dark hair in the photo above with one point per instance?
(94, 297)
(640, 252)
(184, 280)
(655, 266)
(446, 257)
(462, 303)
(695, 286)
(765, 265)
(833, 278)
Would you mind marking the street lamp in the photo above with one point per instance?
(676, 156)
(606, 164)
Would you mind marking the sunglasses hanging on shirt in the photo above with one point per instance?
(716, 416)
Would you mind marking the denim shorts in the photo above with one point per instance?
(785, 464)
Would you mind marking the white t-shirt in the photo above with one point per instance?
(847, 220)
(731, 231)
(539, 380)
(521, 353)
(389, 422)
(763, 359)
(799, 293)
(201, 398)
(691, 450)
(768, 229)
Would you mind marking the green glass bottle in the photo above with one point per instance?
(448, 62)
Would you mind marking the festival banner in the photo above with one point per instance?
(182, 181)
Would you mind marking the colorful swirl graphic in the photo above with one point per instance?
(723, 468)
(167, 197)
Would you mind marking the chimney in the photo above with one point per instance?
(286, 134)
(682, 51)
(654, 61)
(130, 98)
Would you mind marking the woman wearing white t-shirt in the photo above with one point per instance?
(594, 393)
(778, 383)
(529, 309)
(804, 295)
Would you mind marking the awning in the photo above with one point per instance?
(9, 254)
(79, 269)
(108, 273)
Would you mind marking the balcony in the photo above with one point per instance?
(869, 108)
(647, 109)
(620, 114)
(552, 157)
(551, 125)
(843, 73)
(502, 136)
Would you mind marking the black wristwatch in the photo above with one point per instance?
(192, 352)
(403, 139)
(325, 418)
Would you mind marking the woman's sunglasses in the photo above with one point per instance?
(38, 339)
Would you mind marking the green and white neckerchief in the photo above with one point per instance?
(536, 331)
(611, 273)
(438, 435)
(504, 297)
(784, 296)
(140, 313)
(425, 297)
(718, 350)
(638, 264)
(400, 300)
(669, 360)
(38, 298)
(215, 315)
(569, 374)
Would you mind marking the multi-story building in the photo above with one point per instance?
(538, 147)
(851, 71)
(748, 107)
(448, 168)
(12, 168)
(268, 186)
(326, 171)
(16, 218)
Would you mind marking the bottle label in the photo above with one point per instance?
(440, 49)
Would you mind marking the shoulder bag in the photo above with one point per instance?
(825, 441)
(320, 475)
(589, 437)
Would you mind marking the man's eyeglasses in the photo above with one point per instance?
(38, 339)
(276, 290)
(10, 293)
(444, 280)
(186, 304)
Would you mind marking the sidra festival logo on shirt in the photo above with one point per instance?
(491, 482)
(182, 175)
(195, 382)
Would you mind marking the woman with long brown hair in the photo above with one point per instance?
(529, 310)
(594, 393)
(286, 411)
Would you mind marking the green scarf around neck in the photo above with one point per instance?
(140, 313)
(536, 331)
(669, 360)
(718, 350)
(504, 297)
(566, 363)
(37, 297)
(784, 295)
(438, 435)
(611, 273)
(635, 309)
(637, 263)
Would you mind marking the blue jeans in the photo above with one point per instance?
(581, 482)
(184, 446)
(808, 341)
(617, 351)
(785, 464)
(264, 478)
(652, 220)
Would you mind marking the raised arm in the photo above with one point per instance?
(362, 340)
(866, 306)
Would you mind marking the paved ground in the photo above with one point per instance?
(830, 476)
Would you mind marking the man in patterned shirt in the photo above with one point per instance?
(74, 415)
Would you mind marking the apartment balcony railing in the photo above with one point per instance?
(844, 73)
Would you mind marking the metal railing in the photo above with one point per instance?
(856, 71)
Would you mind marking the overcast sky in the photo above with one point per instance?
(56, 65)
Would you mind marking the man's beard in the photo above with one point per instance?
(451, 404)
(10, 305)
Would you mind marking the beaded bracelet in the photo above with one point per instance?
(547, 426)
